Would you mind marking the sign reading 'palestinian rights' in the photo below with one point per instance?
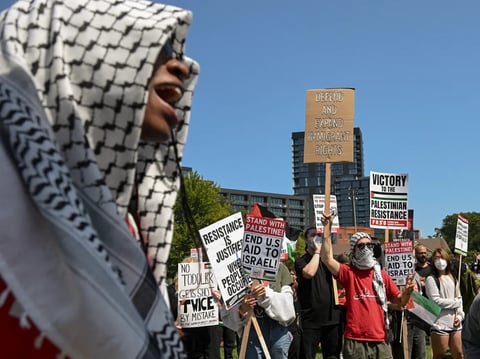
(388, 200)
(223, 243)
(329, 125)
(262, 246)
(461, 236)
(196, 305)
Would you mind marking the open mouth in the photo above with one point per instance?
(169, 93)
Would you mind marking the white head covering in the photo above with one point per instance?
(367, 262)
(73, 84)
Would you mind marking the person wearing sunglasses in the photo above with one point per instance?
(368, 290)
(94, 114)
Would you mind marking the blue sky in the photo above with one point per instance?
(415, 66)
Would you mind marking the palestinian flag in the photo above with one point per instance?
(424, 308)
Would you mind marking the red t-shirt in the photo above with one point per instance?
(18, 342)
(365, 315)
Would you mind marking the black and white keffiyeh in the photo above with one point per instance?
(73, 89)
(364, 259)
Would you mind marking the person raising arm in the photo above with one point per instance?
(368, 289)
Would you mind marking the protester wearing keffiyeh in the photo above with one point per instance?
(73, 87)
(367, 288)
(364, 259)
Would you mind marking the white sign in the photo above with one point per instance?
(196, 254)
(196, 305)
(262, 246)
(461, 236)
(399, 260)
(223, 243)
(319, 208)
(388, 200)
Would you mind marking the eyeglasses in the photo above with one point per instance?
(363, 245)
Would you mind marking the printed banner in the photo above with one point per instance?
(388, 200)
(223, 243)
(262, 246)
(399, 260)
(461, 236)
(196, 305)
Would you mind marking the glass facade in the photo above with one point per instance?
(346, 178)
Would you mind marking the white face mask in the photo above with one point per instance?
(440, 264)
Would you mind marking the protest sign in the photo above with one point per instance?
(196, 254)
(262, 246)
(461, 236)
(319, 208)
(196, 305)
(388, 200)
(329, 125)
(223, 243)
(399, 260)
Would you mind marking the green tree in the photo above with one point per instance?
(205, 206)
(449, 229)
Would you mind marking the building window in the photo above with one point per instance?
(279, 202)
(259, 199)
(238, 198)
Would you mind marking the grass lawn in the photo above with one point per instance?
(319, 355)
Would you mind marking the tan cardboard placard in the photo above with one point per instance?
(329, 125)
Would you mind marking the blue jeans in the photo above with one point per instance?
(416, 342)
(276, 336)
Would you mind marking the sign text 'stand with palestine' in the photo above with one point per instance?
(329, 125)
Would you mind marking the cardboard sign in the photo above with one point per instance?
(223, 243)
(389, 200)
(399, 260)
(262, 246)
(196, 305)
(461, 236)
(329, 125)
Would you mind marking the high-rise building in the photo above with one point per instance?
(348, 183)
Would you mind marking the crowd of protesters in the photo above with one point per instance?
(94, 115)
(333, 323)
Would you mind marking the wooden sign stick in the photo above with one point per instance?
(260, 338)
(328, 180)
(246, 332)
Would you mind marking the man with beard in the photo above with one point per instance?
(422, 266)
(368, 289)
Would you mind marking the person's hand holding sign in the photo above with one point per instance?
(258, 290)
(409, 287)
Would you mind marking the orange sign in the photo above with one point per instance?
(329, 125)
